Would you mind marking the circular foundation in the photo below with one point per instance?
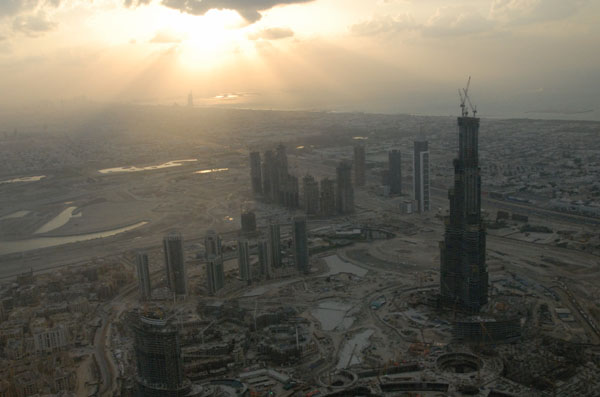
(459, 363)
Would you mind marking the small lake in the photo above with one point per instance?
(210, 171)
(11, 247)
(15, 215)
(58, 221)
(24, 179)
(131, 168)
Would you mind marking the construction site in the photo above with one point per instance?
(378, 299)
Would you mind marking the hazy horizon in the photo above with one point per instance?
(528, 58)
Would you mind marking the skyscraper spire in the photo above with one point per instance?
(463, 271)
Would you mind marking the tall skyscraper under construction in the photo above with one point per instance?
(463, 271)
(256, 173)
(175, 263)
(158, 357)
(300, 234)
(421, 175)
(359, 165)
(395, 172)
(143, 273)
(345, 190)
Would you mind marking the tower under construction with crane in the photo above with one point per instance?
(463, 271)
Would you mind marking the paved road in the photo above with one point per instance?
(106, 375)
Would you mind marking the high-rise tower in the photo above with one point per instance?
(300, 244)
(248, 222)
(264, 268)
(327, 199)
(311, 195)
(215, 276)
(395, 173)
(274, 245)
(256, 173)
(175, 263)
(212, 244)
(421, 175)
(345, 190)
(359, 165)
(143, 276)
(463, 272)
(244, 260)
(158, 356)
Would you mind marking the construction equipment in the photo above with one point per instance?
(464, 98)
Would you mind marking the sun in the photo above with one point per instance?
(208, 40)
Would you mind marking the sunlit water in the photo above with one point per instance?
(15, 215)
(24, 179)
(210, 171)
(11, 247)
(58, 221)
(169, 164)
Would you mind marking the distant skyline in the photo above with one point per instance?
(528, 58)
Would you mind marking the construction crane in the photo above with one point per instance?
(464, 98)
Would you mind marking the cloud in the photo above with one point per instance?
(462, 21)
(385, 24)
(15, 7)
(33, 25)
(165, 37)
(248, 9)
(272, 34)
(135, 3)
(528, 11)
(450, 21)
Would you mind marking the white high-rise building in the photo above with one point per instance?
(421, 176)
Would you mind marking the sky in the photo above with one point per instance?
(527, 58)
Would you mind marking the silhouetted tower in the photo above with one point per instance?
(158, 356)
(175, 263)
(421, 175)
(359, 165)
(215, 275)
(395, 174)
(300, 234)
(345, 190)
(256, 173)
(143, 273)
(311, 195)
(244, 260)
(463, 271)
(327, 201)
(274, 245)
(190, 102)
